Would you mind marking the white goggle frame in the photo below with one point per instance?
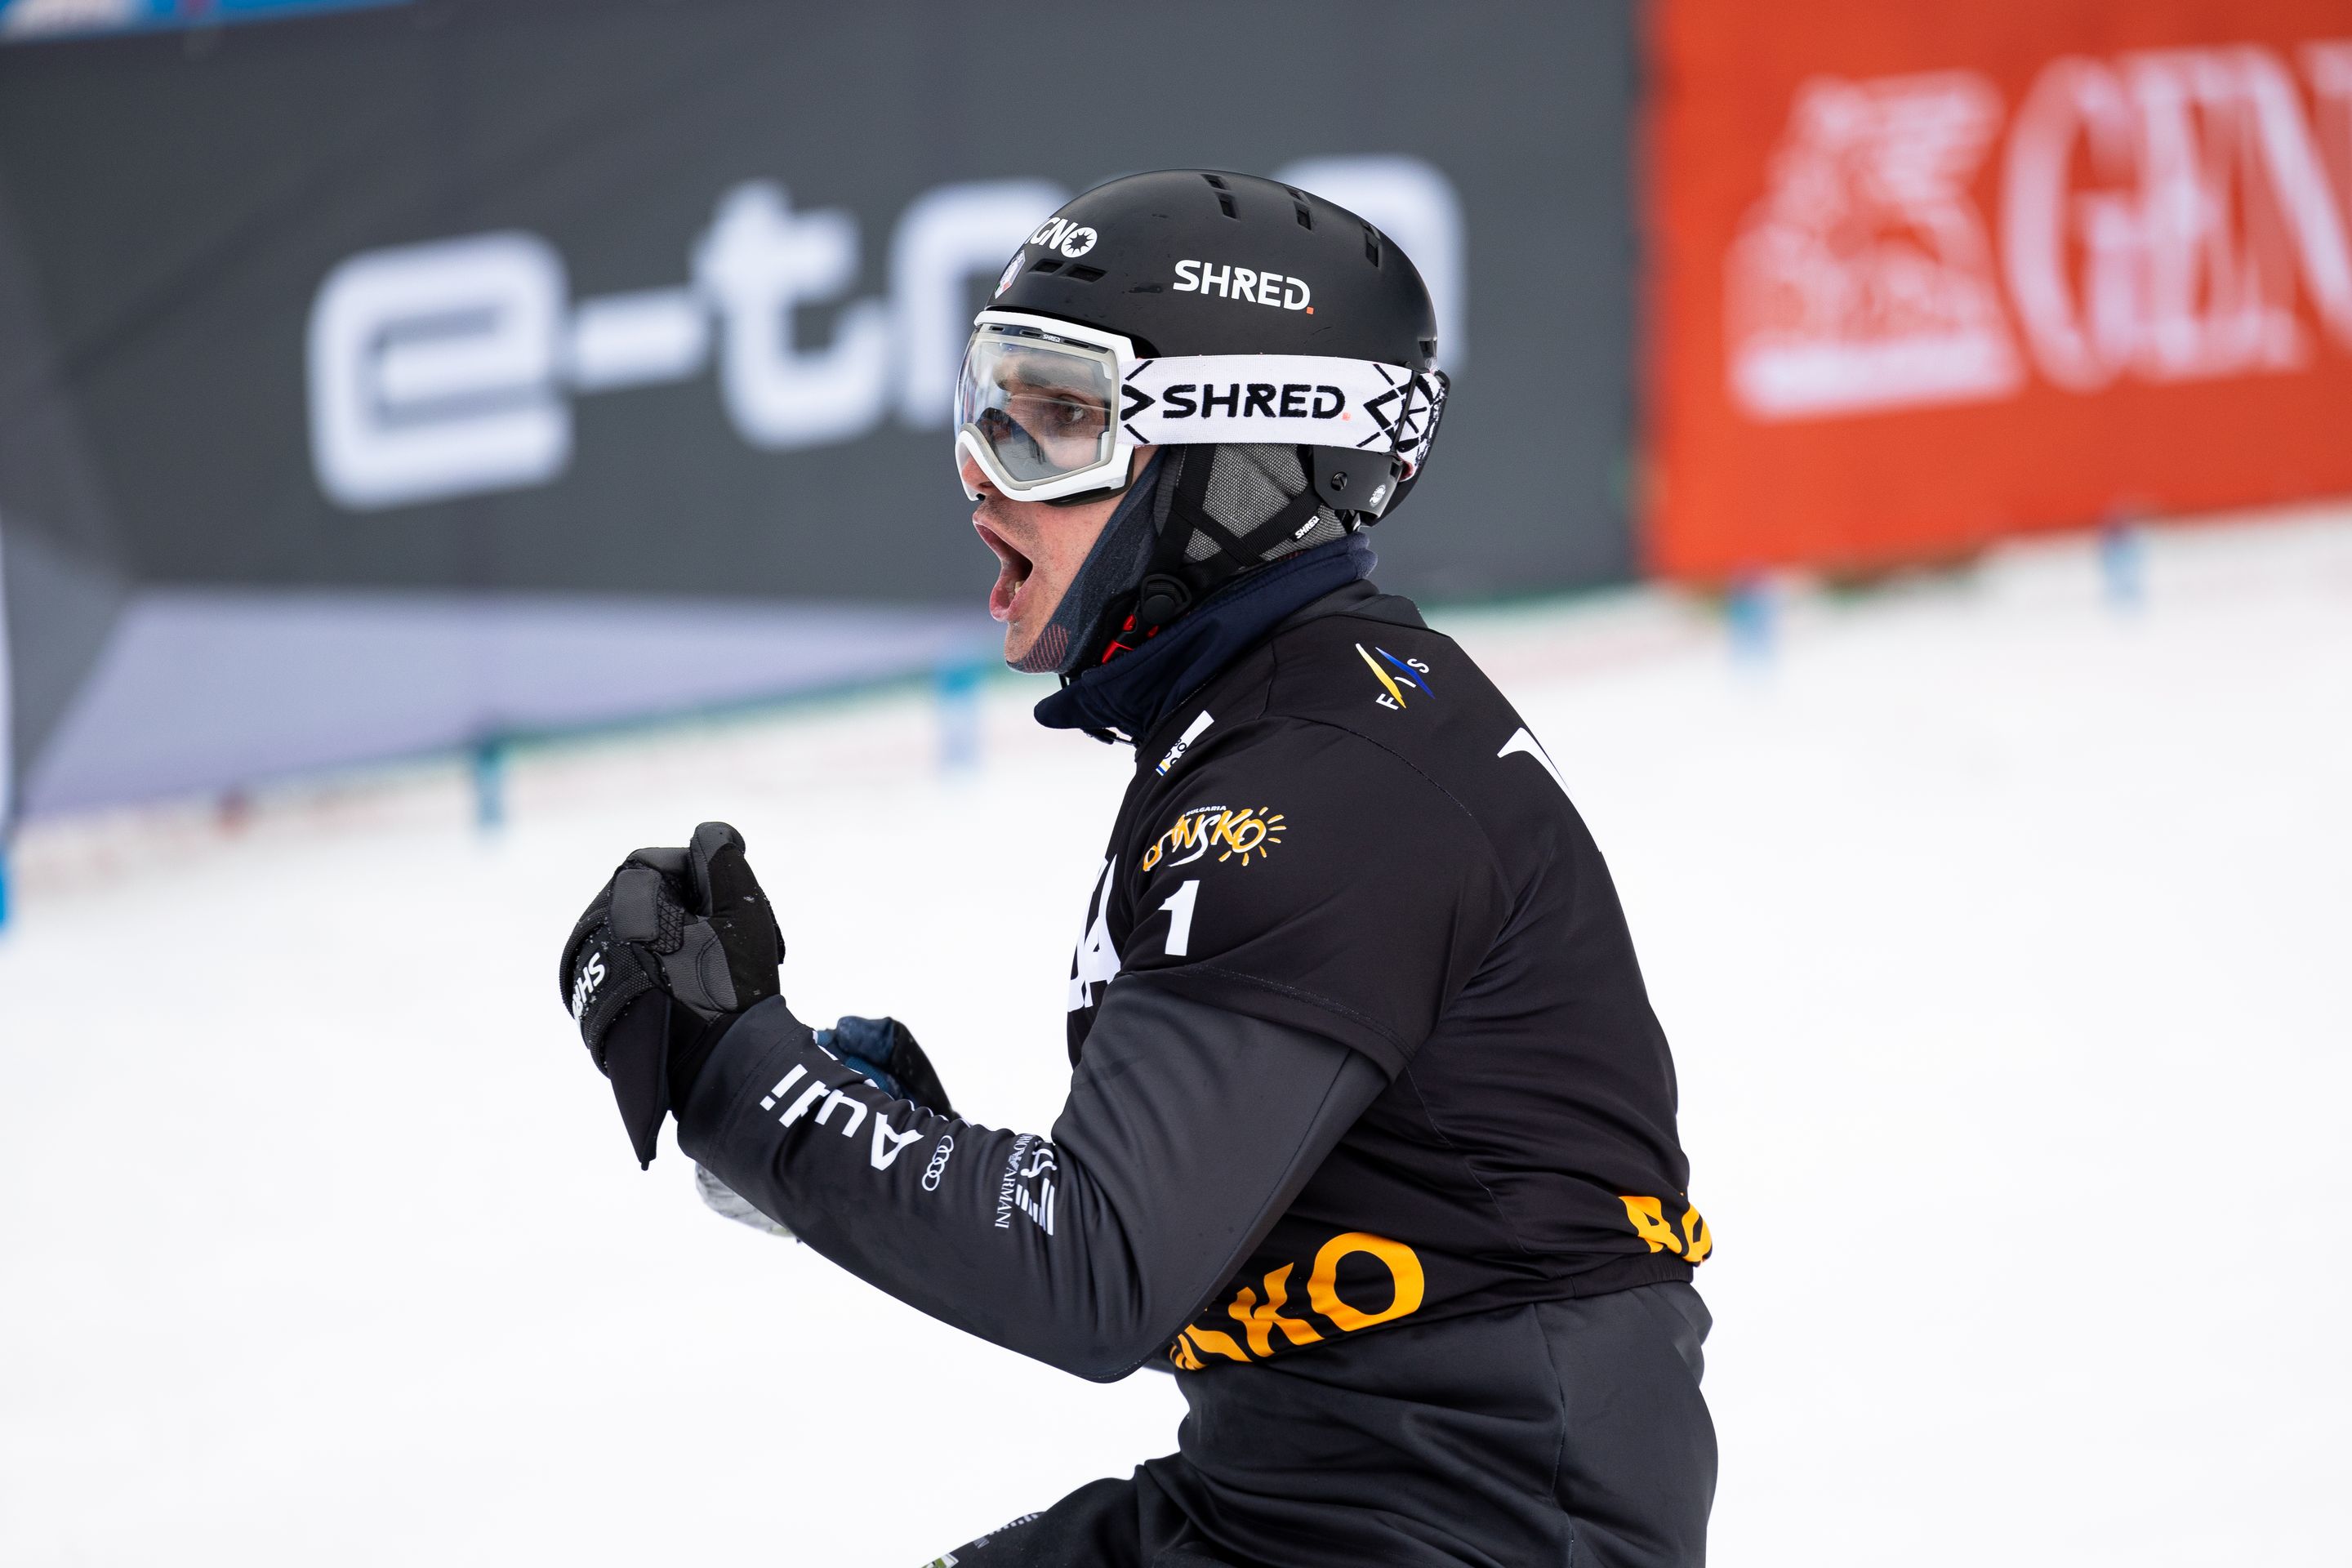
(1301, 400)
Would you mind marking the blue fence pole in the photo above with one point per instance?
(1753, 617)
(491, 786)
(956, 683)
(2122, 565)
(4, 881)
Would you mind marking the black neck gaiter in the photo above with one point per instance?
(1111, 568)
(1125, 698)
(1242, 488)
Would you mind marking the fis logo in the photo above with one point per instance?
(1270, 288)
(1399, 674)
(584, 984)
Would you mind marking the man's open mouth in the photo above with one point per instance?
(1012, 570)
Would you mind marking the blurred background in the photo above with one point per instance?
(1898, 464)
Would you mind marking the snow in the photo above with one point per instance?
(1999, 928)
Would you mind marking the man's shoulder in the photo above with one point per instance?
(1369, 691)
(1385, 677)
(1392, 684)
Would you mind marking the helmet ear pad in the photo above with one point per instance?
(1219, 510)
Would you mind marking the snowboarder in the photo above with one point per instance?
(1371, 1132)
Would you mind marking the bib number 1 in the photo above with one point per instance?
(1179, 906)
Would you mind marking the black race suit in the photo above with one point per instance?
(1371, 1135)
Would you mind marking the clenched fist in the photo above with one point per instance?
(674, 946)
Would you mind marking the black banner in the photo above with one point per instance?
(664, 302)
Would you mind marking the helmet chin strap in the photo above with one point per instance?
(1218, 512)
(1111, 568)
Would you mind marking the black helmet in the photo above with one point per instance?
(1193, 307)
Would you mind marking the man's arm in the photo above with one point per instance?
(1188, 1132)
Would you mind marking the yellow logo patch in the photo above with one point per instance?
(1233, 831)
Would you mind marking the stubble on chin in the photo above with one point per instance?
(1018, 641)
(1021, 633)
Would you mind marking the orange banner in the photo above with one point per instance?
(1922, 275)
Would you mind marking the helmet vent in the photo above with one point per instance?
(1371, 245)
(1224, 195)
(1050, 264)
(1086, 274)
(1298, 208)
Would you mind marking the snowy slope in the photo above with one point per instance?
(2001, 932)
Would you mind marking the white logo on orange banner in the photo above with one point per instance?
(2161, 216)
(1863, 278)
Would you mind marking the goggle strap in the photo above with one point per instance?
(1282, 400)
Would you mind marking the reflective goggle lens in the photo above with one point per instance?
(1042, 409)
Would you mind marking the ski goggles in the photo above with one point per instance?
(1048, 409)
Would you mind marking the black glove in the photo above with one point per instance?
(671, 949)
(885, 1050)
